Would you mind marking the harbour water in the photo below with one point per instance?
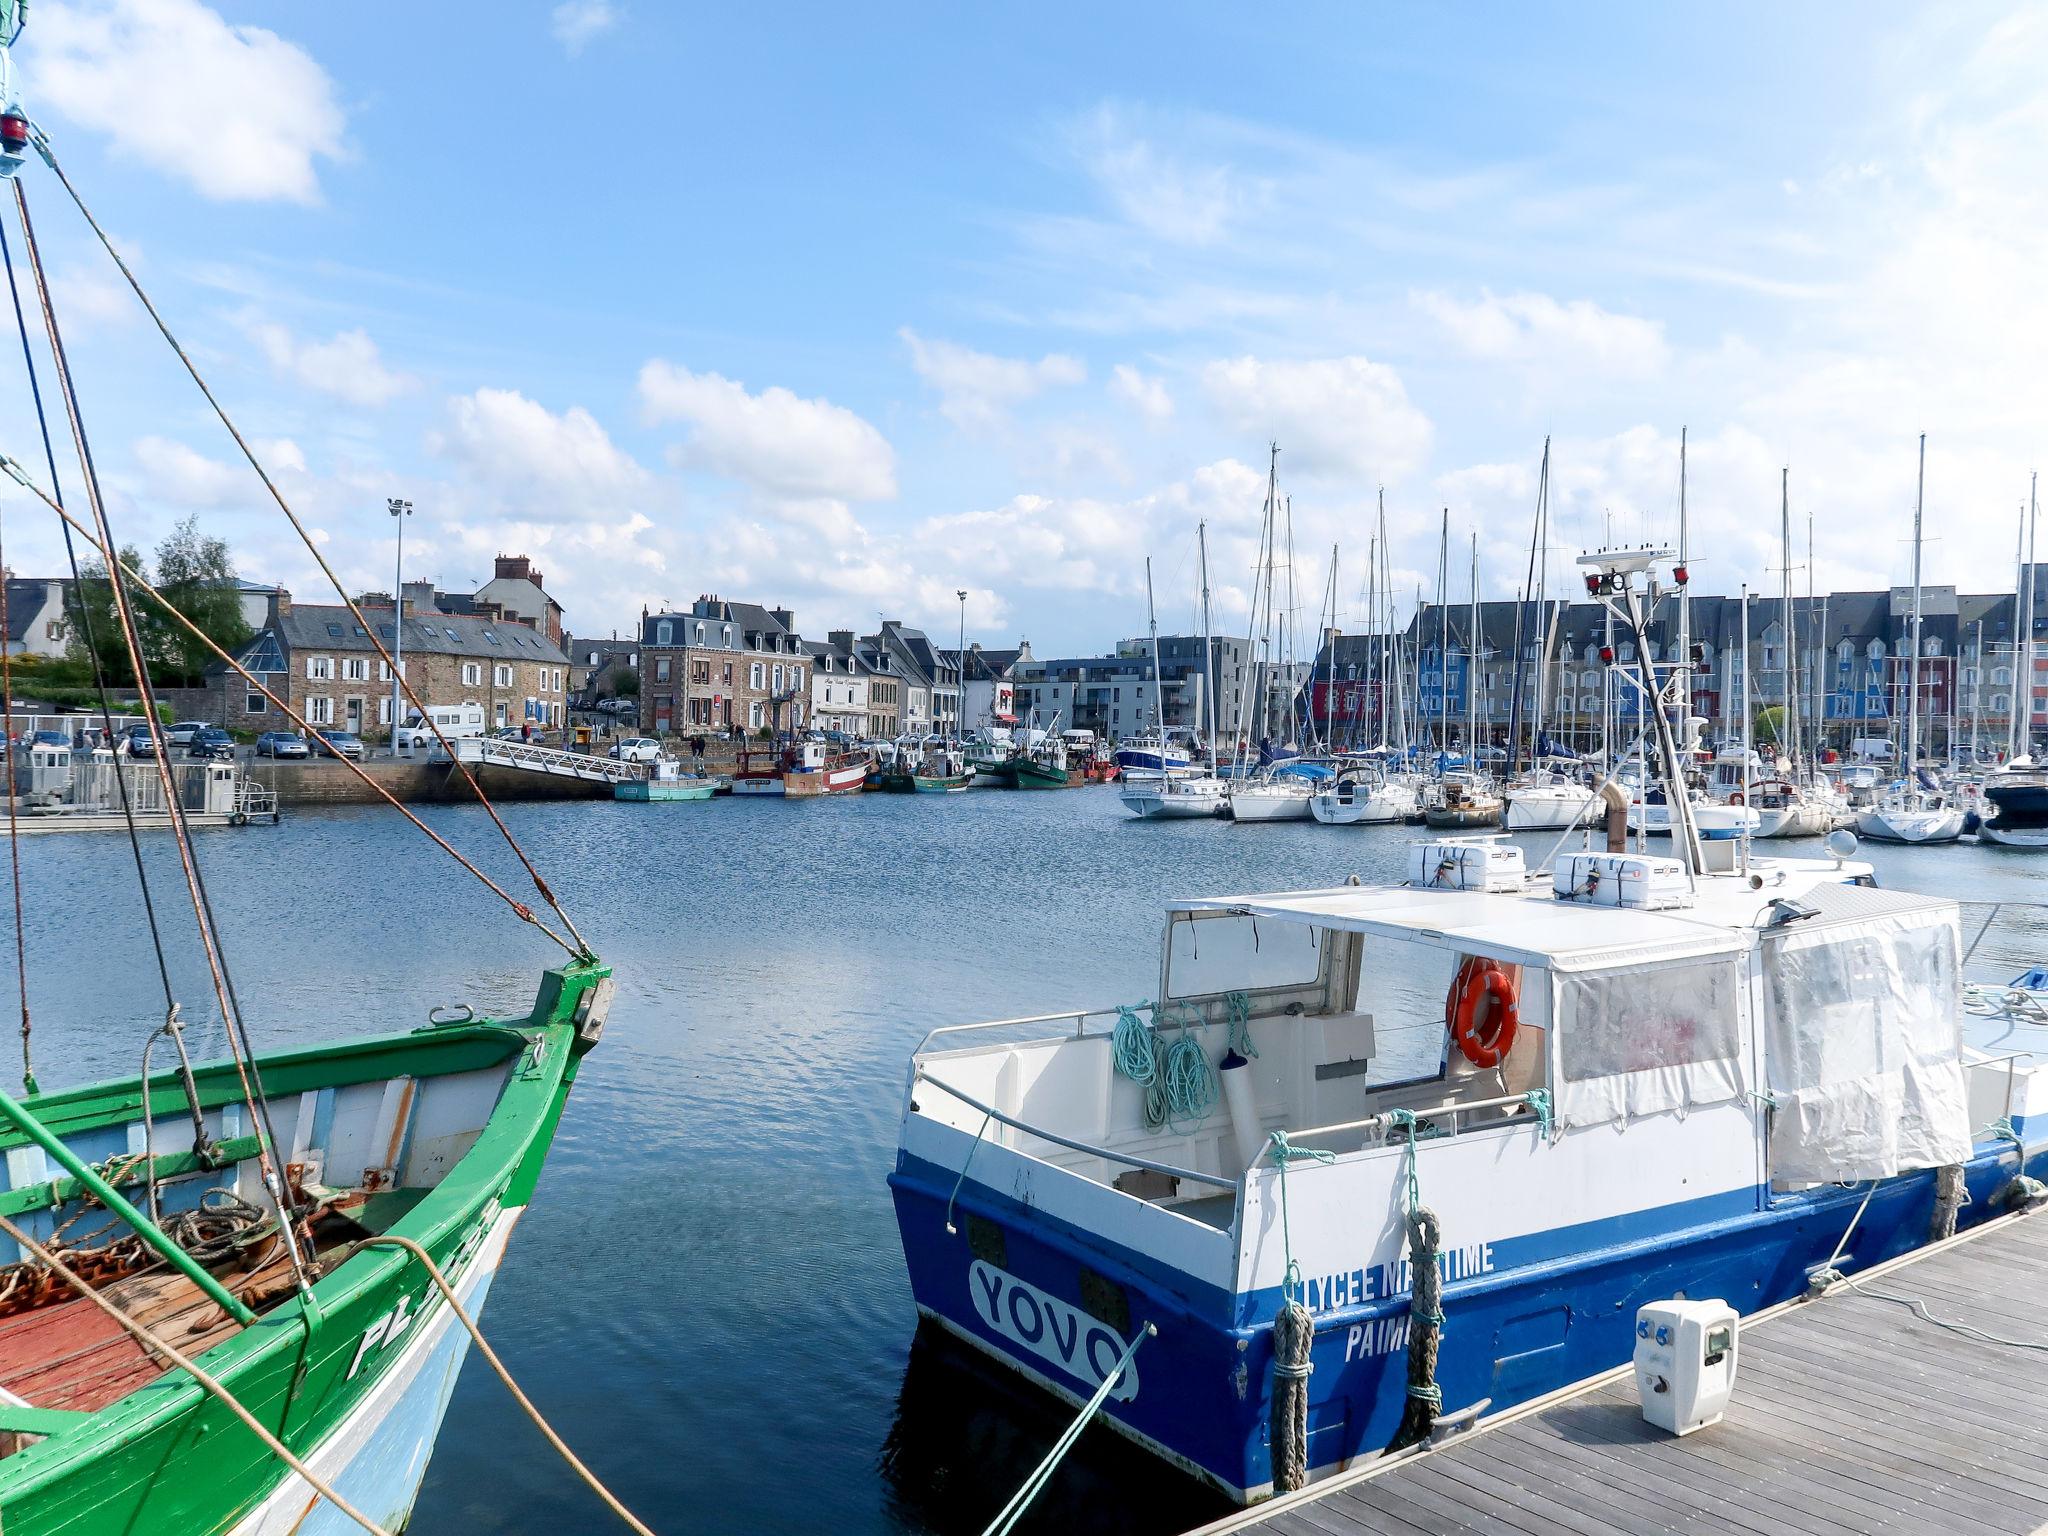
(707, 1296)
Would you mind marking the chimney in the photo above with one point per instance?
(514, 568)
(783, 617)
(278, 603)
(841, 639)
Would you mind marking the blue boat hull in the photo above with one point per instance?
(1149, 759)
(1530, 1327)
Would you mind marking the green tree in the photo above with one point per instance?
(1769, 725)
(196, 575)
(89, 610)
(626, 685)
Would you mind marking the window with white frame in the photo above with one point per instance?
(384, 711)
(355, 669)
(501, 675)
(472, 673)
(320, 710)
(320, 669)
(754, 680)
(254, 703)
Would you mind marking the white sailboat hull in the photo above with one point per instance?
(1901, 824)
(1268, 802)
(1389, 805)
(1163, 798)
(1547, 810)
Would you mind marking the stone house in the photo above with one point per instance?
(515, 590)
(323, 663)
(723, 665)
(839, 684)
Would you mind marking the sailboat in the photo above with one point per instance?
(1547, 796)
(1385, 1158)
(1796, 802)
(1915, 809)
(237, 1294)
(2017, 791)
(1184, 794)
(1463, 798)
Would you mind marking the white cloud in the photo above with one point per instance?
(576, 22)
(1178, 200)
(546, 467)
(346, 366)
(776, 441)
(1576, 336)
(1346, 416)
(977, 389)
(237, 111)
(185, 477)
(1146, 394)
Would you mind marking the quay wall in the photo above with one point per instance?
(328, 783)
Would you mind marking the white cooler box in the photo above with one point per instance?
(1620, 880)
(1466, 864)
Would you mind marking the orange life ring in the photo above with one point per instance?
(1486, 1042)
(1736, 798)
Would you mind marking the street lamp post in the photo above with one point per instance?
(960, 671)
(399, 510)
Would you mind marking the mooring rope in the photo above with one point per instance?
(1294, 1337)
(1006, 1519)
(1425, 1304)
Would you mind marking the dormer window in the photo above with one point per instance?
(664, 633)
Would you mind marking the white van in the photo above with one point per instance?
(453, 719)
(1873, 749)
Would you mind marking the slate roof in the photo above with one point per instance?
(325, 628)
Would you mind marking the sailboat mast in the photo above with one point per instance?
(1472, 648)
(1788, 732)
(1543, 617)
(1208, 647)
(1913, 671)
(1158, 688)
(1684, 594)
(1329, 669)
(2023, 694)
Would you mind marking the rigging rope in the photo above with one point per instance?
(42, 145)
(28, 1066)
(15, 472)
(240, 1048)
(87, 628)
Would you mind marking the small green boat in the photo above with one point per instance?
(942, 783)
(895, 781)
(665, 789)
(1029, 773)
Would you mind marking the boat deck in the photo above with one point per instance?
(1850, 1414)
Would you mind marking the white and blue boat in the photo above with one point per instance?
(1155, 752)
(1569, 1093)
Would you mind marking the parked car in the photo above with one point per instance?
(211, 741)
(181, 734)
(282, 744)
(637, 749)
(337, 744)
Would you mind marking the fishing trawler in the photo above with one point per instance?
(1381, 1160)
(235, 1296)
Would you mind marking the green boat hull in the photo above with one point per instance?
(942, 783)
(670, 790)
(356, 1382)
(1028, 775)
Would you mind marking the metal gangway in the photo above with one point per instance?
(554, 762)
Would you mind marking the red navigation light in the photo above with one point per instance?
(1678, 574)
(1606, 655)
(14, 132)
(1593, 583)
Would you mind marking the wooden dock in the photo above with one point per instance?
(1850, 1414)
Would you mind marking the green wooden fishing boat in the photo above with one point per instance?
(1029, 773)
(436, 1135)
(942, 783)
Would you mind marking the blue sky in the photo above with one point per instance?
(849, 308)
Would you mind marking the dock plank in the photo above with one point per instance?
(1851, 1415)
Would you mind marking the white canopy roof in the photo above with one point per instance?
(1530, 930)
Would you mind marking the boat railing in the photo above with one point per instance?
(1078, 1018)
(1216, 1181)
(2012, 1060)
(1386, 1121)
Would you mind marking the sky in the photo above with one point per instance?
(850, 309)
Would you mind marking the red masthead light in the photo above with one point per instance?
(1606, 655)
(1593, 582)
(13, 132)
(1678, 574)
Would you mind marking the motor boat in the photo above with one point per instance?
(1170, 796)
(1363, 796)
(1547, 802)
(1459, 801)
(2018, 798)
